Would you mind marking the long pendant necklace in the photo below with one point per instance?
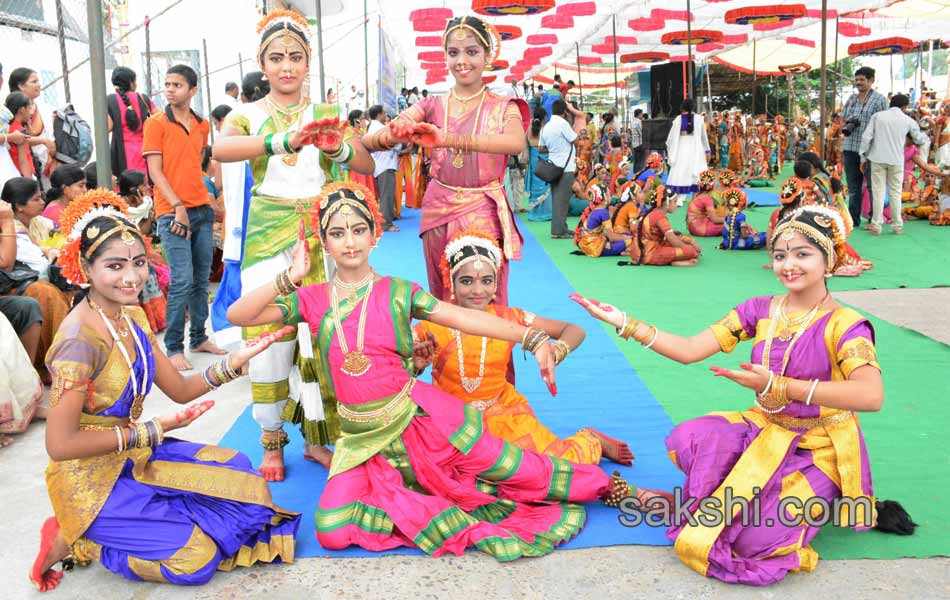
(459, 161)
(785, 333)
(470, 384)
(138, 388)
(355, 363)
(286, 119)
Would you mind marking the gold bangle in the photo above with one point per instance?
(561, 350)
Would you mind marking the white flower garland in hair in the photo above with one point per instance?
(92, 215)
(285, 21)
(470, 240)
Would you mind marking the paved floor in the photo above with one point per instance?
(601, 573)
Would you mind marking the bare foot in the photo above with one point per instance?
(6, 440)
(655, 500)
(319, 454)
(41, 413)
(53, 549)
(613, 449)
(272, 466)
(209, 347)
(180, 362)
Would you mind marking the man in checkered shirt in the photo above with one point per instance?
(858, 110)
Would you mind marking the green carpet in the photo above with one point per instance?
(904, 440)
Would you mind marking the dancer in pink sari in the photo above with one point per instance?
(414, 465)
(470, 132)
(813, 366)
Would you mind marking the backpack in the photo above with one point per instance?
(73, 137)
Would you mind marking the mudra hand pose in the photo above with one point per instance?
(414, 466)
(293, 147)
(472, 368)
(813, 366)
(470, 133)
(145, 505)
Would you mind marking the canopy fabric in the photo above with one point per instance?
(620, 27)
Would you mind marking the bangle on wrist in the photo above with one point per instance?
(811, 392)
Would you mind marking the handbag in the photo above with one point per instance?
(17, 279)
(547, 171)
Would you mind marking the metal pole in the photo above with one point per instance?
(241, 67)
(97, 59)
(323, 85)
(930, 61)
(148, 59)
(580, 83)
(689, 47)
(824, 79)
(709, 89)
(755, 87)
(837, 68)
(62, 47)
(791, 90)
(616, 91)
(365, 53)
(204, 44)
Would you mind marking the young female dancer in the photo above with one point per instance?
(469, 269)
(293, 146)
(146, 506)
(703, 218)
(813, 366)
(470, 133)
(414, 465)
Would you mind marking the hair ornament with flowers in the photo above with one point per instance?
(337, 195)
(707, 179)
(76, 220)
(465, 247)
(727, 177)
(287, 25)
(791, 190)
(490, 37)
(735, 199)
(284, 16)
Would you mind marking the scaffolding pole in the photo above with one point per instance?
(97, 60)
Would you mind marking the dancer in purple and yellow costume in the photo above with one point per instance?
(813, 366)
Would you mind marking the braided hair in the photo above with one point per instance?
(123, 78)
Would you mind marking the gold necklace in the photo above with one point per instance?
(787, 323)
(138, 387)
(286, 119)
(355, 363)
(117, 320)
(351, 290)
(464, 101)
(470, 384)
(767, 350)
(458, 162)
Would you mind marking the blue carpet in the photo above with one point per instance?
(760, 197)
(596, 387)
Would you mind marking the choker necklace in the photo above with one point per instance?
(464, 100)
(138, 387)
(767, 350)
(355, 363)
(470, 384)
(117, 319)
(351, 290)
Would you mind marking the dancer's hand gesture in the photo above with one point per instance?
(754, 377)
(544, 354)
(605, 312)
(239, 358)
(423, 352)
(184, 417)
(325, 134)
(428, 135)
(401, 128)
(300, 264)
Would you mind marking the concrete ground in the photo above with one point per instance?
(601, 573)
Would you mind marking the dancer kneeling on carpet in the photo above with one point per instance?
(813, 366)
(147, 507)
(655, 242)
(414, 466)
(737, 234)
(703, 217)
(469, 269)
(594, 235)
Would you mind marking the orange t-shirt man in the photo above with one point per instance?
(181, 150)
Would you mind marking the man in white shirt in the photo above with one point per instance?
(385, 173)
(883, 145)
(231, 93)
(557, 137)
